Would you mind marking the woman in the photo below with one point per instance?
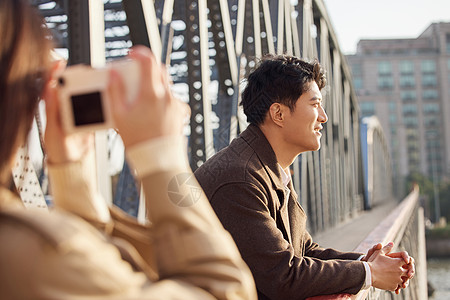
(184, 254)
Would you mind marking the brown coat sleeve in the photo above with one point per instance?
(312, 249)
(279, 274)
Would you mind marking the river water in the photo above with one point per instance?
(438, 272)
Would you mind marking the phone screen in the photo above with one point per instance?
(87, 109)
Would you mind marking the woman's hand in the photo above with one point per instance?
(155, 112)
(60, 147)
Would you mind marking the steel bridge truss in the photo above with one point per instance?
(210, 46)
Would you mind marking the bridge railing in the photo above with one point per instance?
(405, 227)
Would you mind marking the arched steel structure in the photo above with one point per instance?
(376, 163)
(210, 45)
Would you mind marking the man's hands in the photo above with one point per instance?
(409, 265)
(390, 271)
(371, 251)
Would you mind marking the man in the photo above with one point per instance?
(249, 186)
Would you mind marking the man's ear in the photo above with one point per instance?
(276, 114)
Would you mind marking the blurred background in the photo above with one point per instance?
(388, 100)
(393, 30)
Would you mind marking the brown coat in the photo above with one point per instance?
(243, 184)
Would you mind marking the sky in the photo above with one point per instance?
(353, 20)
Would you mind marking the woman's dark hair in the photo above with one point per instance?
(24, 64)
(278, 79)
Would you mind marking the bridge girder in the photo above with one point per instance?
(211, 45)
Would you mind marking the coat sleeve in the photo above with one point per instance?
(74, 189)
(194, 256)
(76, 262)
(278, 273)
(312, 249)
(190, 243)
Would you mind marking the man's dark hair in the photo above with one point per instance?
(278, 79)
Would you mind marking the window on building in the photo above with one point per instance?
(430, 108)
(433, 147)
(413, 147)
(392, 119)
(448, 42)
(384, 68)
(430, 94)
(409, 109)
(428, 66)
(356, 70)
(358, 83)
(435, 160)
(413, 150)
(367, 108)
(407, 81)
(411, 121)
(385, 82)
(392, 106)
(413, 160)
(432, 137)
(434, 156)
(406, 67)
(432, 134)
(411, 133)
(431, 121)
(408, 95)
(413, 166)
(448, 64)
(429, 80)
(433, 144)
(394, 143)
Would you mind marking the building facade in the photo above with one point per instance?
(405, 83)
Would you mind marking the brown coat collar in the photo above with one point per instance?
(256, 139)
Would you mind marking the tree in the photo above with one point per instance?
(426, 191)
(444, 192)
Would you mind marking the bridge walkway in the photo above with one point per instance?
(348, 235)
(401, 223)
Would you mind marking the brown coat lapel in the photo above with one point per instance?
(258, 142)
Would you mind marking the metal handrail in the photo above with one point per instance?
(392, 228)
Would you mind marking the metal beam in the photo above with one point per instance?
(268, 25)
(141, 19)
(256, 28)
(280, 27)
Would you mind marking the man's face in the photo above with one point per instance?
(301, 129)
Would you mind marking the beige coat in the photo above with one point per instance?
(184, 254)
